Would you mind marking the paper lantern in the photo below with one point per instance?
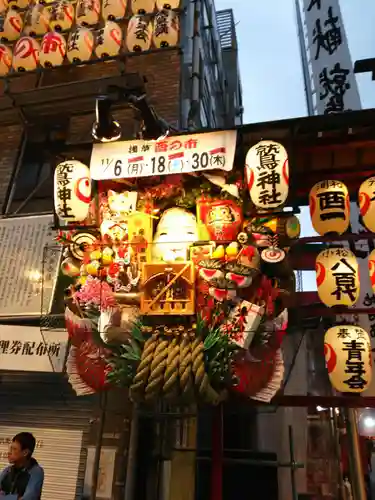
(72, 191)
(62, 16)
(109, 40)
(87, 12)
(53, 50)
(329, 207)
(366, 200)
(139, 34)
(142, 6)
(337, 277)
(26, 54)
(37, 20)
(347, 350)
(3, 6)
(371, 268)
(11, 27)
(80, 45)
(5, 59)
(167, 4)
(267, 173)
(113, 9)
(166, 29)
(18, 4)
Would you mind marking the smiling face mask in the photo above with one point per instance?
(176, 231)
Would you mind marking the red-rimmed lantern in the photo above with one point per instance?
(329, 207)
(109, 40)
(62, 16)
(12, 26)
(52, 50)
(80, 45)
(366, 200)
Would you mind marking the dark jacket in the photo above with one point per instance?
(26, 482)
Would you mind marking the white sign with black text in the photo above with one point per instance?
(25, 348)
(332, 70)
(193, 153)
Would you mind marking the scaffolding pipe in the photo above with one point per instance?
(354, 455)
(132, 456)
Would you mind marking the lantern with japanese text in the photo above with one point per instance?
(142, 6)
(139, 34)
(87, 12)
(26, 54)
(366, 200)
(347, 349)
(11, 26)
(52, 50)
(371, 268)
(337, 277)
(37, 20)
(80, 45)
(3, 6)
(267, 173)
(329, 207)
(113, 9)
(5, 59)
(166, 29)
(109, 39)
(72, 191)
(62, 16)
(167, 4)
(18, 4)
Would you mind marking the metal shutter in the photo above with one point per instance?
(45, 405)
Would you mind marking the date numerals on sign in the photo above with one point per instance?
(199, 161)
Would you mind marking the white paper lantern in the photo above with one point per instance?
(62, 16)
(18, 4)
(347, 351)
(142, 6)
(166, 29)
(366, 200)
(80, 45)
(109, 40)
(37, 20)
(329, 207)
(5, 59)
(139, 34)
(167, 4)
(87, 12)
(3, 6)
(371, 268)
(26, 54)
(52, 50)
(337, 277)
(11, 27)
(113, 9)
(72, 191)
(267, 173)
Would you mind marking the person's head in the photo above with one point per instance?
(21, 448)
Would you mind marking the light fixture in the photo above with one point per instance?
(105, 128)
(152, 126)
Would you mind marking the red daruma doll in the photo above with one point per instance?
(221, 218)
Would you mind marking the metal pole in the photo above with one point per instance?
(336, 442)
(354, 455)
(132, 456)
(292, 463)
(98, 447)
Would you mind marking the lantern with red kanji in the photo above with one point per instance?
(329, 207)
(337, 277)
(166, 29)
(87, 12)
(267, 173)
(109, 40)
(37, 20)
(347, 349)
(80, 45)
(11, 27)
(26, 54)
(139, 34)
(53, 50)
(5, 59)
(113, 9)
(62, 16)
(366, 199)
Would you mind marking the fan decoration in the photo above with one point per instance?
(181, 289)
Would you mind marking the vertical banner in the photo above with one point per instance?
(332, 70)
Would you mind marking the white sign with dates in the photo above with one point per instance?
(173, 155)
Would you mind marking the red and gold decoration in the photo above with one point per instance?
(337, 277)
(366, 200)
(329, 207)
(347, 350)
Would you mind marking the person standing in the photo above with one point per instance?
(23, 478)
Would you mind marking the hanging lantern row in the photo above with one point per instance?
(330, 206)
(28, 53)
(347, 351)
(112, 9)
